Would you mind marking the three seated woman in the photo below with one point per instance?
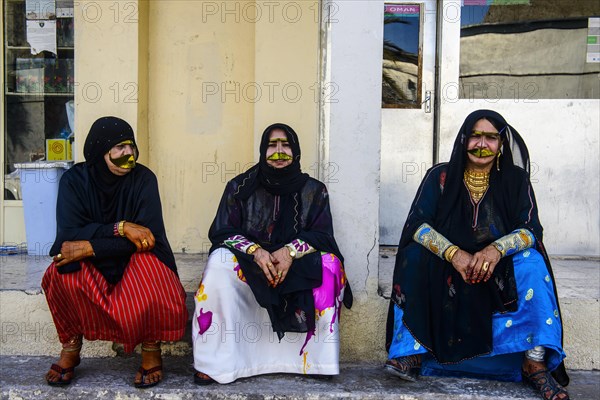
(473, 290)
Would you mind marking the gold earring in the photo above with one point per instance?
(498, 160)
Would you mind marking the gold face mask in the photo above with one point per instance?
(128, 160)
(482, 153)
(279, 157)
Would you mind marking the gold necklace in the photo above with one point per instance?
(477, 183)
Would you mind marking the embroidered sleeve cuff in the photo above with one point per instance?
(516, 241)
(238, 242)
(432, 240)
(302, 248)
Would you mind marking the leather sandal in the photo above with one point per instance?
(62, 371)
(406, 368)
(202, 379)
(74, 344)
(148, 346)
(145, 372)
(545, 384)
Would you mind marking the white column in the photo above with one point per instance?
(352, 128)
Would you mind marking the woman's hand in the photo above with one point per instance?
(483, 263)
(266, 262)
(283, 262)
(139, 235)
(461, 262)
(73, 251)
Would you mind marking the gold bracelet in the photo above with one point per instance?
(450, 252)
(253, 248)
(121, 228)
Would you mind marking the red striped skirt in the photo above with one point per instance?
(147, 304)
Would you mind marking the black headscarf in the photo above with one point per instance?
(277, 181)
(104, 134)
(503, 175)
(449, 317)
(91, 199)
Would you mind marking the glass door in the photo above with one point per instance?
(407, 122)
(38, 107)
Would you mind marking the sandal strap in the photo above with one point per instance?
(405, 363)
(152, 370)
(544, 382)
(61, 370)
(200, 378)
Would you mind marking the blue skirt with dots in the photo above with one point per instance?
(535, 323)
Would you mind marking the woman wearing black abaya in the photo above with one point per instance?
(473, 291)
(274, 267)
(113, 275)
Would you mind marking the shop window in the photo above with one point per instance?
(38, 84)
(401, 56)
(530, 49)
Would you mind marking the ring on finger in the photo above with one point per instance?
(485, 266)
(144, 243)
(59, 256)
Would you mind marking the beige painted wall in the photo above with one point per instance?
(219, 73)
(198, 81)
(107, 67)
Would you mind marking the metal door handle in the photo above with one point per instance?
(427, 101)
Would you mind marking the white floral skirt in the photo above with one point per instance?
(232, 334)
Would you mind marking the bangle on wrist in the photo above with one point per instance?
(253, 248)
(500, 248)
(121, 228)
(450, 252)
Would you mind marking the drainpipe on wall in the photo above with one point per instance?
(437, 98)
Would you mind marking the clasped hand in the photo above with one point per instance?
(476, 267)
(274, 265)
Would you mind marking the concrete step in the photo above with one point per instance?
(27, 329)
(110, 378)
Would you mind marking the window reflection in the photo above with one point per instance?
(401, 56)
(535, 49)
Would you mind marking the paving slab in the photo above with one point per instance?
(110, 378)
